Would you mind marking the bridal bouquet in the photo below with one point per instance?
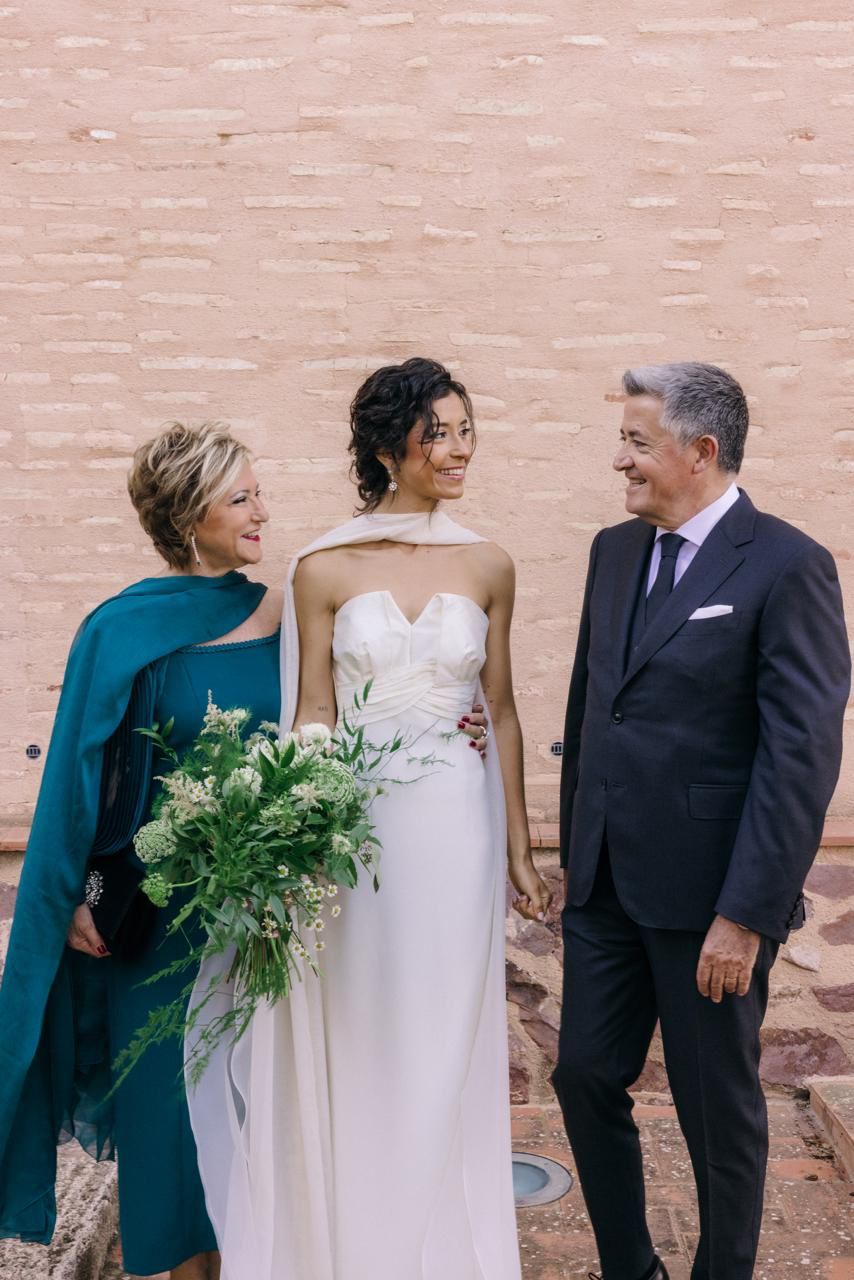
(258, 836)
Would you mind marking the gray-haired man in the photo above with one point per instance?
(702, 745)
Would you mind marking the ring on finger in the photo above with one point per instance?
(484, 737)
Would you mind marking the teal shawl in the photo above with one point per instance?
(54, 1055)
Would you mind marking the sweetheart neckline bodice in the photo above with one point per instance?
(432, 664)
(437, 595)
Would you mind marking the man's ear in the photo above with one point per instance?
(708, 451)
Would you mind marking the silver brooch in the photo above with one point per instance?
(94, 888)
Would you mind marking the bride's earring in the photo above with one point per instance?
(392, 483)
(195, 550)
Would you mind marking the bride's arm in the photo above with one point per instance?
(315, 617)
(497, 678)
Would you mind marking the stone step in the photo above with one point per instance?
(832, 1100)
(85, 1227)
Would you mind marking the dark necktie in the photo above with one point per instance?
(663, 585)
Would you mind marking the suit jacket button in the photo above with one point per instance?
(617, 717)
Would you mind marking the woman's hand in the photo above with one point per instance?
(476, 726)
(83, 936)
(534, 894)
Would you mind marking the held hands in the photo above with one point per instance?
(476, 726)
(534, 894)
(83, 936)
(726, 960)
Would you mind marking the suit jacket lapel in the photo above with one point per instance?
(717, 558)
(626, 584)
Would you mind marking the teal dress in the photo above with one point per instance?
(55, 1063)
(161, 1202)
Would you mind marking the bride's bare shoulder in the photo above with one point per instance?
(321, 572)
(493, 562)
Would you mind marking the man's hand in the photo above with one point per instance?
(534, 896)
(727, 960)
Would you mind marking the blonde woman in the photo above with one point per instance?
(148, 654)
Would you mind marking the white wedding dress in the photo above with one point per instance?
(369, 1121)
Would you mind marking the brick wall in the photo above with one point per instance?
(236, 210)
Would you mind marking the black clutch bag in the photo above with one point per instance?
(122, 914)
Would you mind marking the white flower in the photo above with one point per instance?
(306, 794)
(246, 777)
(335, 782)
(335, 912)
(188, 796)
(257, 747)
(332, 891)
(218, 721)
(268, 726)
(283, 871)
(315, 735)
(340, 844)
(269, 925)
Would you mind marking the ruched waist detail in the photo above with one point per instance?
(406, 689)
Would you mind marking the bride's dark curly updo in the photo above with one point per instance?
(386, 407)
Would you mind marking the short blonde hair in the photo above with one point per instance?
(177, 477)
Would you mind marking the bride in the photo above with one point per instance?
(369, 1123)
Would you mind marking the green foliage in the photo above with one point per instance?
(262, 833)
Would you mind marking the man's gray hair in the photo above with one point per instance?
(698, 400)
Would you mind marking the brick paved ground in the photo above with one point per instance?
(808, 1230)
(809, 1218)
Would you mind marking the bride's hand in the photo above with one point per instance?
(534, 894)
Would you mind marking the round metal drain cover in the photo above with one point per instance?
(538, 1180)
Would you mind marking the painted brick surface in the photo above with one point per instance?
(236, 210)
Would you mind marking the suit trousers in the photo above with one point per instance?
(619, 978)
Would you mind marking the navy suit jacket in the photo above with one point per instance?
(708, 754)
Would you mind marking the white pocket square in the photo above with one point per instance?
(710, 611)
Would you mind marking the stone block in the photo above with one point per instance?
(85, 1226)
(838, 999)
(832, 1101)
(839, 932)
(791, 1056)
(831, 880)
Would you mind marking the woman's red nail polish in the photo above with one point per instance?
(473, 744)
(465, 719)
(102, 951)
